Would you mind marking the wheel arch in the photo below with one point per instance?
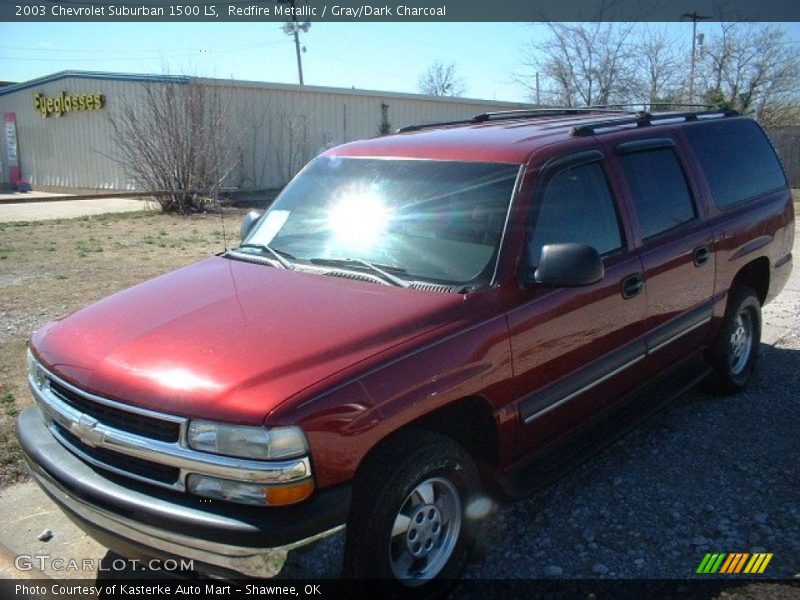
(469, 421)
(754, 275)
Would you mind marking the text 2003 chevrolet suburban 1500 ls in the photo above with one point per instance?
(416, 317)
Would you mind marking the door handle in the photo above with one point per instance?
(632, 285)
(701, 255)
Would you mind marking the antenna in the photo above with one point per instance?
(222, 220)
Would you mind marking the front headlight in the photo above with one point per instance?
(261, 443)
(247, 442)
(35, 371)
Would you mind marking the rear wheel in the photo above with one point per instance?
(735, 351)
(408, 522)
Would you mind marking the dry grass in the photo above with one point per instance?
(51, 268)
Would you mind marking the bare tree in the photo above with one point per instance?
(290, 143)
(584, 63)
(256, 142)
(750, 67)
(174, 140)
(276, 141)
(714, 58)
(441, 80)
(659, 66)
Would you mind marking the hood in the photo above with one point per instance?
(230, 340)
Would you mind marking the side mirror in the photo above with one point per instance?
(568, 265)
(248, 222)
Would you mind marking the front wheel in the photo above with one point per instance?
(408, 522)
(735, 351)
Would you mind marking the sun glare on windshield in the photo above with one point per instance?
(358, 216)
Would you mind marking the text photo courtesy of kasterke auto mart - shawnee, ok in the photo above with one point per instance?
(433, 299)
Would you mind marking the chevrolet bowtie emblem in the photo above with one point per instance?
(84, 429)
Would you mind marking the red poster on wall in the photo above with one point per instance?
(12, 156)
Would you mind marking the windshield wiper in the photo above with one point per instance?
(278, 254)
(379, 269)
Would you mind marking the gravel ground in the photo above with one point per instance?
(708, 474)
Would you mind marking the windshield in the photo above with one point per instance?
(438, 221)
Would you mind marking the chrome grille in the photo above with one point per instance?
(119, 463)
(151, 427)
(85, 423)
(139, 443)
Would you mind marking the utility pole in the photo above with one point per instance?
(297, 48)
(538, 100)
(294, 28)
(695, 17)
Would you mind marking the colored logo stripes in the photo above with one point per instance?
(734, 562)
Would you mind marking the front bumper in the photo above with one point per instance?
(138, 519)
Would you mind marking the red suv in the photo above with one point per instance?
(417, 322)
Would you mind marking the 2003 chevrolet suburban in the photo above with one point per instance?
(414, 322)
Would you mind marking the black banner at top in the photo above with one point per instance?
(398, 10)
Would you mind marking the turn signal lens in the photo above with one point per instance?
(281, 495)
(249, 493)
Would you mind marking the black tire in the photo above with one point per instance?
(734, 353)
(432, 541)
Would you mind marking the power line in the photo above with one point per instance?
(153, 54)
(80, 60)
(139, 51)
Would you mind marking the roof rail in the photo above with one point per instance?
(639, 117)
(652, 104)
(408, 128)
(543, 112)
(647, 119)
(524, 113)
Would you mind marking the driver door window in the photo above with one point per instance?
(576, 207)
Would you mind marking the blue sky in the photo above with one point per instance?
(379, 56)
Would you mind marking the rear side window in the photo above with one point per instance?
(577, 207)
(738, 160)
(660, 193)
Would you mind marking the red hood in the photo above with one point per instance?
(230, 340)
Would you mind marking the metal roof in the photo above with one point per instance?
(250, 84)
(17, 87)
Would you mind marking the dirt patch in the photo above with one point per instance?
(49, 269)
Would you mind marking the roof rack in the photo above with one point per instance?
(652, 104)
(639, 117)
(524, 113)
(645, 119)
(408, 128)
(544, 112)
